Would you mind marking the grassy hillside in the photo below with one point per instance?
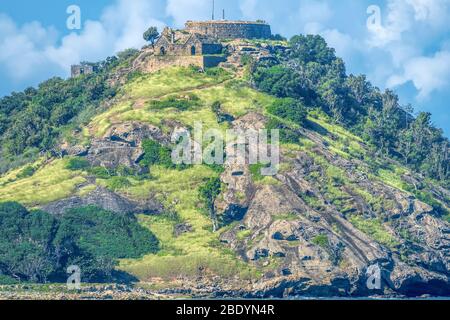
(350, 199)
(199, 251)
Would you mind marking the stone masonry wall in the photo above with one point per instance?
(212, 61)
(155, 63)
(230, 29)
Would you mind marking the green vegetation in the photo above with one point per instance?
(109, 234)
(170, 81)
(375, 229)
(236, 98)
(447, 217)
(255, 171)
(292, 216)
(208, 193)
(288, 109)
(191, 254)
(52, 181)
(151, 35)
(330, 180)
(77, 163)
(288, 133)
(427, 198)
(216, 107)
(314, 76)
(216, 72)
(34, 120)
(247, 60)
(117, 183)
(175, 103)
(156, 154)
(37, 247)
(26, 172)
(244, 234)
(101, 172)
(321, 240)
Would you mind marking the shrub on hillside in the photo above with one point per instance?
(28, 171)
(181, 104)
(287, 134)
(77, 163)
(289, 109)
(117, 183)
(215, 72)
(156, 154)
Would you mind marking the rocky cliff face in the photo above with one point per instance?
(296, 226)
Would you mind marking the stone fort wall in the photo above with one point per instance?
(155, 63)
(230, 29)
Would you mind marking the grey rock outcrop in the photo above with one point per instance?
(313, 248)
(106, 200)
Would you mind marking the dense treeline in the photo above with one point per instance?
(32, 121)
(311, 73)
(38, 247)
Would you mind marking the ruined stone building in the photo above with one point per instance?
(183, 43)
(203, 37)
(200, 43)
(80, 69)
(203, 44)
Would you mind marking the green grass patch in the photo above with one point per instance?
(171, 80)
(321, 240)
(375, 229)
(243, 234)
(26, 172)
(292, 216)
(236, 98)
(393, 178)
(180, 104)
(190, 254)
(51, 182)
(76, 163)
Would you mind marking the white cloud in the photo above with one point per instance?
(391, 28)
(128, 19)
(407, 15)
(31, 52)
(344, 44)
(428, 74)
(21, 48)
(120, 27)
(405, 41)
(434, 12)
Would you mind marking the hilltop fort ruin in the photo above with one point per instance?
(84, 68)
(200, 43)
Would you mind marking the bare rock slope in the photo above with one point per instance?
(317, 233)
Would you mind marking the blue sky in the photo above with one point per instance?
(405, 47)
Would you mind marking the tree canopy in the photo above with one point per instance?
(312, 74)
(151, 35)
(36, 246)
